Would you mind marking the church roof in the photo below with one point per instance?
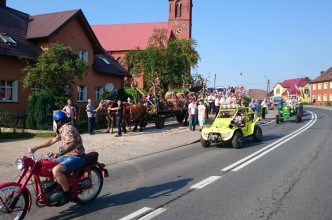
(125, 37)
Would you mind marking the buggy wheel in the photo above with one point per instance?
(91, 183)
(277, 119)
(205, 143)
(237, 140)
(258, 134)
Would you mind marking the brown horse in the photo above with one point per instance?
(110, 115)
(131, 114)
(134, 114)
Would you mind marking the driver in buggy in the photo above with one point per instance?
(238, 120)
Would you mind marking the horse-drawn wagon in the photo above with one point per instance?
(172, 105)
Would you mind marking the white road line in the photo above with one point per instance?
(205, 182)
(287, 137)
(153, 214)
(137, 213)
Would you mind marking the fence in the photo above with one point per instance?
(17, 120)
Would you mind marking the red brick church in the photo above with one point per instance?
(118, 39)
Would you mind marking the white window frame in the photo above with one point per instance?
(330, 84)
(83, 55)
(319, 86)
(82, 94)
(319, 98)
(325, 97)
(330, 97)
(5, 88)
(98, 92)
(313, 86)
(325, 85)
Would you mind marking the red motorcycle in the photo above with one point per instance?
(85, 185)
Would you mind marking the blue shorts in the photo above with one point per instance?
(71, 163)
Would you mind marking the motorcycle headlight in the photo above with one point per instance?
(20, 163)
(226, 135)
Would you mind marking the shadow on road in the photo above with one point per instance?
(108, 200)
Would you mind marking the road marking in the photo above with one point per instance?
(249, 159)
(153, 214)
(137, 213)
(205, 182)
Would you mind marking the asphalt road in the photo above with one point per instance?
(288, 178)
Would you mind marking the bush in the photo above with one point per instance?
(39, 110)
(328, 104)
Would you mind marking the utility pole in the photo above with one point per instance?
(267, 88)
(214, 87)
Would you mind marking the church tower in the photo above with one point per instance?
(180, 16)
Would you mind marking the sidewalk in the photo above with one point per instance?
(111, 149)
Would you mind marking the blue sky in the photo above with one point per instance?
(262, 39)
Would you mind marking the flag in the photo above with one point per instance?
(297, 89)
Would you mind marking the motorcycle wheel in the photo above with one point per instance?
(93, 188)
(7, 195)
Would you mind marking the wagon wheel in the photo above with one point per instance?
(160, 122)
(179, 118)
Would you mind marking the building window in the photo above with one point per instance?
(83, 55)
(319, 98)
(325, 85)
(313, 86)
(319, 86)
(8, 91)
(331, 85)
(325, 98)
(278, 91)
(330, 97)
(99, 91)
(306, 91)
(178, 9)
(7, 39)
(82, 93)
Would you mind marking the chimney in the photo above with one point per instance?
(2, 2)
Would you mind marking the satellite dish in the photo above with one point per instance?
(109, 87)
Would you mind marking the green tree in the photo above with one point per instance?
(170, 61)
(56, 69)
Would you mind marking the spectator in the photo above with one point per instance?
(263, 104)
(201, 114)
(192, 109)
(70, 111)
(256, 108)
(118, 118)
(129, 101)
(252, 107)
(211, 99)
(216, 105)
(91, 112)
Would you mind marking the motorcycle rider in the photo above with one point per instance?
(72, 156)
